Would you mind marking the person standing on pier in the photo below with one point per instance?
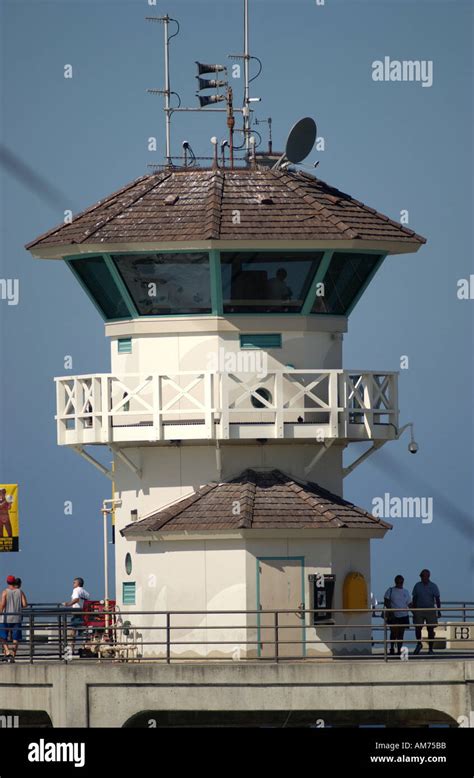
(78, 597)
(397, 598)
(12, 602)
(425, 595)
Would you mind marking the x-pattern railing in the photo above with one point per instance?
(334, 398)
(184, 392)
(368, 393)
(75, 404)
(250, 390)
(307, 391)
(131, 394)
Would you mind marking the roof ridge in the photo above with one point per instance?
(215, 195)
(347, 503)
(299, 488)
(249, 491)
(123, 208)
(91, 208)
(364, 206)
(335, 220)
(309, 499)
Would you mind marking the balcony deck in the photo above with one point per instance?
(290, 404)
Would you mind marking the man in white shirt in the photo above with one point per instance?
(398, 599)
(78, 597)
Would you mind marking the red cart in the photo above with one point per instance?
(99, 626)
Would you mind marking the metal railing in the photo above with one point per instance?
(245, 635)
(281, 403)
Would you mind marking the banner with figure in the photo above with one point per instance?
(9, 522)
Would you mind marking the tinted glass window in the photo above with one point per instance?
(267, 282)
(167, 283)
(96, 276)
(345, 277)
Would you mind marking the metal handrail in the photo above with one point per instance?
(111, 637)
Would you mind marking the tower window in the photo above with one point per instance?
(265, 394)
(171, 283)
(261, 340)
(95, 276)
(128, 564)
(344, 280)
(267, 281)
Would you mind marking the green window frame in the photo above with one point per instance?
(345, 275)
(93, 273)
(109, 293)
(260, 340)
(167, 283)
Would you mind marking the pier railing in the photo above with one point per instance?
(284, 403)
(244, 635)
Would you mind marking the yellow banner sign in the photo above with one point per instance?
(9, 521)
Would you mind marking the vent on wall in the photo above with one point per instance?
(124, 345)
(129, 593)
(266, 340)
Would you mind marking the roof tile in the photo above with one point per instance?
(303, 207)
(266, 500)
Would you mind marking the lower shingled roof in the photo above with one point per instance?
(267, 500)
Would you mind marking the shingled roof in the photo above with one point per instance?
(199, 205)
(267, 500)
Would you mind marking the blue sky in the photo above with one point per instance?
(392, 145)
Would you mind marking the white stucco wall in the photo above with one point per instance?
(188, 344)
(221, 575)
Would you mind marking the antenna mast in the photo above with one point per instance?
(246, 111)
(165, 21)
(246, 56)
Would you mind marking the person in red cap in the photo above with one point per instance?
(11, 604)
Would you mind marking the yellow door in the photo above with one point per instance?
(281, 588)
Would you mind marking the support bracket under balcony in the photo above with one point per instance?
(320, 453)
(103, 469)
(127, 461)
(375, 447)
(219, 459)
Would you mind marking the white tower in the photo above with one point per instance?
(226, 295)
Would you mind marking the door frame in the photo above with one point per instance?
(301, 559)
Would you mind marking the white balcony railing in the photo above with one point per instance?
(298, 404)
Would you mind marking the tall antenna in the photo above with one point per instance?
(165, 20)
(246, 115)
(246, 56)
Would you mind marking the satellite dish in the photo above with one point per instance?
(301, 140)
